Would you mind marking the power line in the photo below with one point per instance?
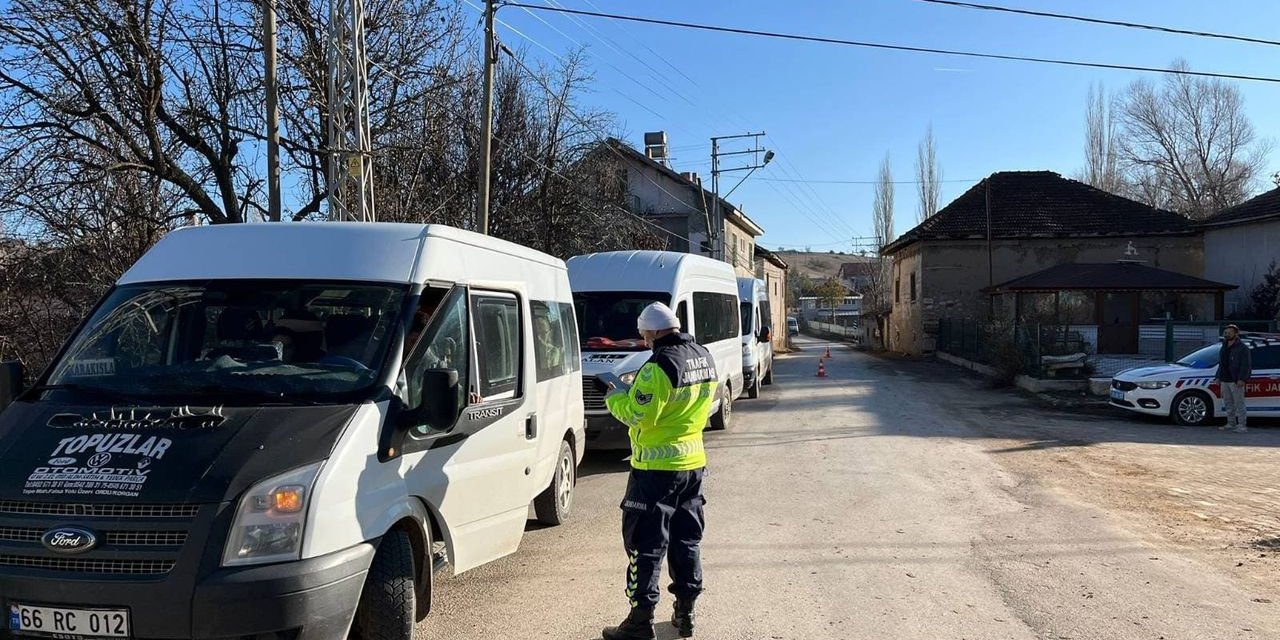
(1115, 23)
(800, 206)
(569, 181)
(897, 47)
(861, 181)
(796, 198)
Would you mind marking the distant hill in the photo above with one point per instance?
(818, 266)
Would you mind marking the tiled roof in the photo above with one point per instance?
(1263, 207)
(1112, 276)
(1042, 204)
(859, 269)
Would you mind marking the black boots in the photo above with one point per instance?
(637, 626)
(682, 619)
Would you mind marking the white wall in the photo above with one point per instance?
(1241, 255)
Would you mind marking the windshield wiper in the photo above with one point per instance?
(88, 390)
(250, 393)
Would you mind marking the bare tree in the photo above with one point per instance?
(882, 216)
(1187, 144)
(1102, 159)
(164, 87)
(882, 206)
(928, 176)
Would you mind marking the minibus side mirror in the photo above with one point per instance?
(439, 407)
(766, 335)
(11, 374)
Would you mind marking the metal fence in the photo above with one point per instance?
(1071, 351)
(847, 330)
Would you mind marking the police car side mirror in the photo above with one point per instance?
(11, 374)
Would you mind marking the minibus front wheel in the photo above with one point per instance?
(388, 604)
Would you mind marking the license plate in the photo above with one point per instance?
(58, 622)
(1117, 394)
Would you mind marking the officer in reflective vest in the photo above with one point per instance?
(665, 411)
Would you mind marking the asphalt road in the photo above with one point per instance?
(863, 505)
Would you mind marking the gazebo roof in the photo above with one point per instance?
(1113, 276)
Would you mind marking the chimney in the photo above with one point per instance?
(692, 176)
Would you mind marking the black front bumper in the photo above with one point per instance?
(606, 433)
(312, 599)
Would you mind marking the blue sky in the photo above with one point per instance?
(833, 112)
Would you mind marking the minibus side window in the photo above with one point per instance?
(444, 345)
(549, 342)
(498, 345)
(573, 355)
(716, 316)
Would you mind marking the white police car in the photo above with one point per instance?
(1186, 391)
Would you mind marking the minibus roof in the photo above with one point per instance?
(644, 271)
(750, 289)
(355, 251)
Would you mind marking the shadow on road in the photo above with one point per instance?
(662, 630)
(926, 398)
(596, 463)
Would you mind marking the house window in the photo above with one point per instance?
(897, 289)
(913, 287)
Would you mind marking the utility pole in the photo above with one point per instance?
(715, 222)
(350, 168)
(273, 111)
(991, 281)
(486, 122)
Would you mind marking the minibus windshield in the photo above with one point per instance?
(607, 319)
(747, 319)
(233, 342)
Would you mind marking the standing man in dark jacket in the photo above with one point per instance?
(665, 412)
(1234, 371)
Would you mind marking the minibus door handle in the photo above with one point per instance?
(531, 427)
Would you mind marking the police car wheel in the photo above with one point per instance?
(1192, 409)
(388, 604)
(553, 505)
(754, 390)
(721, 419)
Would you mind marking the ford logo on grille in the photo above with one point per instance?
(69, 540)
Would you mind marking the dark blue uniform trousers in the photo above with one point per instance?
(662, 515)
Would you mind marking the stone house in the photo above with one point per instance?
(1014, 224)
(773, 270)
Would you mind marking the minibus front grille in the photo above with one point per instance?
(592, 396)
(89, 565)
(113, 538)
(119, 511)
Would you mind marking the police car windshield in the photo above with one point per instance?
(233, 342)
(607, 318)
(1205, 358)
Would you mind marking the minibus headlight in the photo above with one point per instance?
(270, 519)
(629, 378)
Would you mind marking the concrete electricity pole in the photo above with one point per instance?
(716, 221)
(273, 111)
(350, 170)
(486, 119)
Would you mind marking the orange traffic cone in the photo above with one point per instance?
(828, 353)
(822, 369)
